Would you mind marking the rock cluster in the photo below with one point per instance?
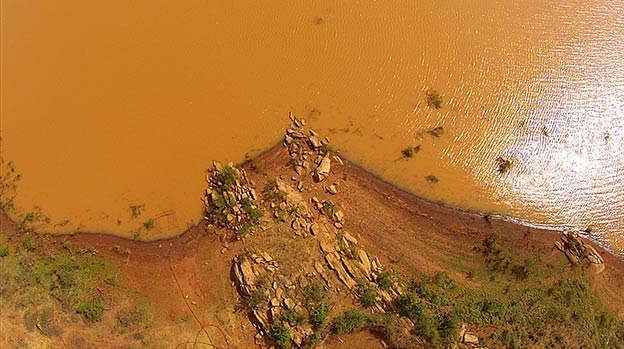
(577, 251)
(309, 153)
(230, 200)
(335, 259)
(258, 280)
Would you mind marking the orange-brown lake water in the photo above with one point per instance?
(110, 104)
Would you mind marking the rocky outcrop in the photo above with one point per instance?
(578, 252)
(309, 154)
(230, 200)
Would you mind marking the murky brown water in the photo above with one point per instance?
(112, 104)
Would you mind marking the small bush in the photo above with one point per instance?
(254, 300)
(281, 335)
(449, 329)
(4, 251)
(427, 328)
(368, 296)
(388, 327)
(350, 321)
(319, 316)
(92, 309)
(292, 317)
(329, 208)
(384, 280)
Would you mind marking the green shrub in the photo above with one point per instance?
(255, 299)
(319, 316)
(227, 177)
(350, 321)
(449, 328)
(329, 208)
(367, 294)
(281, 335)
(292, 317)
(384, 280)
(4, 251)
(426, 327)
(92, 309)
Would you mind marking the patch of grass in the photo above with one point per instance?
(140, 314)
(92, 309)
(350, 321)
(254, 213)
(4, 251)
(31, 218)
(434, 99)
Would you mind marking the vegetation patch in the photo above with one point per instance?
(92, 309)
(409, 152)
(281, 335)
(231, 200)
(350, 321)
(434, 99)
(367, 294)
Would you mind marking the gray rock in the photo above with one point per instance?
(315, 143)
(322, 171)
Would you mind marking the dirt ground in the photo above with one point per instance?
(187, 280)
